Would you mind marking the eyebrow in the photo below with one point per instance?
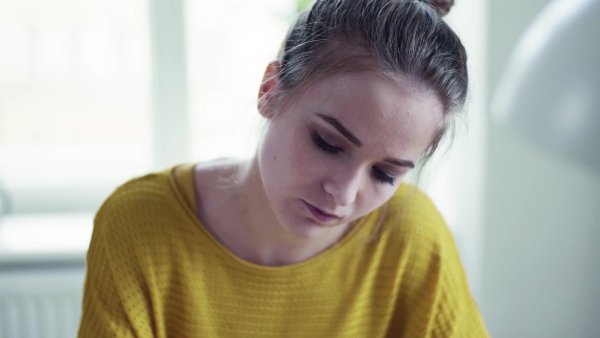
(348, 134)
(401, 163)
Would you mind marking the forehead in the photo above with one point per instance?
(391, 113)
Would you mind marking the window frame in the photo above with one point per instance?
(169, 121)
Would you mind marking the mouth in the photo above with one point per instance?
(320, 214)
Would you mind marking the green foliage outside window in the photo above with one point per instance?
(302, 4)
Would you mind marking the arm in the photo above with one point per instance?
(447, 303)
(434, 299)
(114, 302)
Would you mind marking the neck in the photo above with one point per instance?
(265, 241)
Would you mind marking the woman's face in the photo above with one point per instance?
(341, 148)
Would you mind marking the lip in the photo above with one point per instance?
(320, 214)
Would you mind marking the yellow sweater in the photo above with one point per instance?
(154, 271)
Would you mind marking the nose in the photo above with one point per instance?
(343, 187)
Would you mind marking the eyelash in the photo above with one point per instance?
(382, 177)
(323, 145)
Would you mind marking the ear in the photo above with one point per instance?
(268, 89)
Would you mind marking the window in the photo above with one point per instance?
(74, 100)
(95, 92)
(229, 45)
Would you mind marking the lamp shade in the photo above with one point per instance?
(550, 90)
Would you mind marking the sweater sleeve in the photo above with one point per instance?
(103, 314)
(445, 307)
(116, 301)
(435, 300)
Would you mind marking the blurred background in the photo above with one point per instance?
(93, 93)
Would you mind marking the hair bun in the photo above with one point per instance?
(442, 6)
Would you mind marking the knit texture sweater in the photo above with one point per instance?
(153, 270)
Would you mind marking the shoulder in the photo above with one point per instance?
(433, 287)
(142, 202)
(415, 232)
(412, 213)
(143, 191)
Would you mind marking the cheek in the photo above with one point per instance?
(287, 159)
(375, 196)
(303, 159)
(371, 202)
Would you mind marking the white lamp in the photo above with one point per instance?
(551, 88)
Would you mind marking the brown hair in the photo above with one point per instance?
(405, 38)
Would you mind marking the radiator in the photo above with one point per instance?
(42, 268)
(40, 303)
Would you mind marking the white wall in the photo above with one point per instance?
(541, 272)
(454, 179)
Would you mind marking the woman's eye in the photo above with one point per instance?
(383, 177)
(324, 145)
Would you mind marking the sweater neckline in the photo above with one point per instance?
(183, 187)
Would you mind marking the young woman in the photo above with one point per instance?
(315, 236)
